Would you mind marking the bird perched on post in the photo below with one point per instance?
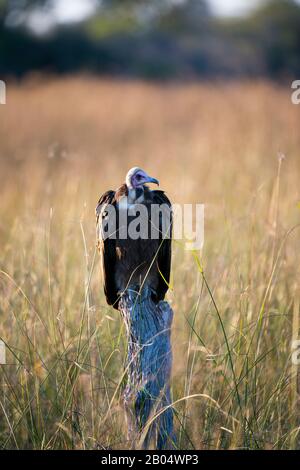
(135, 260)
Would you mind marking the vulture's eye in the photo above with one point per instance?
(139, 177)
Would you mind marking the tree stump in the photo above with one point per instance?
(149, 363)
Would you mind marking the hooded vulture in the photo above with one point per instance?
(141, 262)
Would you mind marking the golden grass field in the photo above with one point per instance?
(62, 144)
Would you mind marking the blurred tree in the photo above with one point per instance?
(189, 16)
(277, 25)
(3, 10)
(17, 8)
(268, 40)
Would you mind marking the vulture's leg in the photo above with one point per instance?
(149, 363)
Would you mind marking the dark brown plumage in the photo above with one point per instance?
(134, 264)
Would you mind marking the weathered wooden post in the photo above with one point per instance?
(149, 362)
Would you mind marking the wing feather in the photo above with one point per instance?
(107, 248)
(165, 251)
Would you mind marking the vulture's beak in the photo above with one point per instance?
(152, 180)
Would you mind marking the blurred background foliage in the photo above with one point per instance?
(154, 39)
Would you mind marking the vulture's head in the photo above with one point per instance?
(136, 178)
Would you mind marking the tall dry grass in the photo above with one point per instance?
(62, 143)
